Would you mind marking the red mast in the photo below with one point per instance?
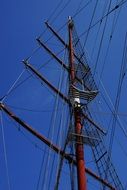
(79, 149)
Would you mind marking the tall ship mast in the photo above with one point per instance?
(76, 147)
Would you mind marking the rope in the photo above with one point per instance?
(5, 151)
(12, 87)
(118, 118)
(114, 23)
(102, 37)
(55, 9)
(93, 14)
(53, 125)
(102, 18)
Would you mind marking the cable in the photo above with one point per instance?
(97, 34)
(118, 119)
(78, 7)
(55, 9)
(30, 109)
(115, 19)
(27, 78)
(101, 19)
(82, 8)
(59, 133)
(62, 9)
(93, 14)
(12, 87)
(5, 151)
(54, 120)
(102, 37)
(116, 107)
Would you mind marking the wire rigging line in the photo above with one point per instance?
(93, 14)
(121, 146)
(114, 23)
(118, 118)
(81, 9)
(102, 18)
(5, 151)
(44, 160)
(60, 159)
(60, 132)
(61, 10)
(116, 107)
(27, 78)
(31, 109)
(78, 8)
(55, 9)
(117, 101)
(97, 34)
(102, 37)
(17, 126)
(51, 15)
(49, 18)
(12, 87)
(73, 16)
(115, 20)
(33, 52)
(54, 121)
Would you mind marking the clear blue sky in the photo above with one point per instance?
(21, 22)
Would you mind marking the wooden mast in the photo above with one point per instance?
(79, 149)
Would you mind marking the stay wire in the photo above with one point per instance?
(121, 77)
(27, 78)
(78, 7)
(32, 142)
(62, 141)
(5, 151)
(77, 13)
(12, 87)
(102, 18)
(19, 129)
(59, 132)
(116, 107)
(115, 19)
(73, 16)
(61, 10)
(55, 10)
(101, 41)
(49, 18)
(54, 120)
(112, 109)
(51, 15)
(44, 161)
(91, 20)
(59, 167)
(99, 28)
(81, 9)
(31, 109)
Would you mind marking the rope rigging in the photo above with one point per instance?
(5, 151)
(102, 37)
(117, 101)
(102, 18)
(57, 131)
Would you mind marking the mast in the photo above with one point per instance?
(79, 149)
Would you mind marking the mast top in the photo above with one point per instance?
(70, 22)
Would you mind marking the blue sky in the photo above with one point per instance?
(21, 23)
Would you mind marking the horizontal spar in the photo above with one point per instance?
(59, 93)
(35, 133)
(50, 144)
(45, 81)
